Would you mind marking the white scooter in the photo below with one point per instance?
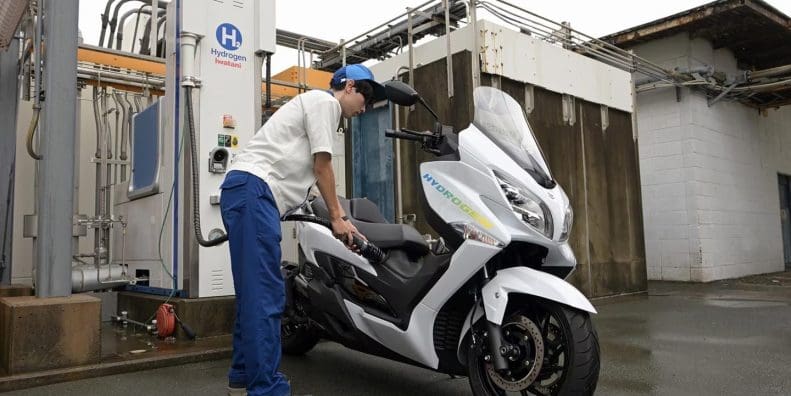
(487, 300)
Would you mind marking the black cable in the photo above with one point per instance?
(137, 23)
(114, 21)
(105, 19)
(196, 179)
(119, 37)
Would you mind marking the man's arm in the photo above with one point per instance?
(325, 176)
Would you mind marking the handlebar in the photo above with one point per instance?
(371, 252)
(403, 135)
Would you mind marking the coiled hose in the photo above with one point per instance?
(371, 252)
(196, 180)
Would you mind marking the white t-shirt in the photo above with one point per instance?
(281, 152)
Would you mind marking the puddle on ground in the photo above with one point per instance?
(724, 303)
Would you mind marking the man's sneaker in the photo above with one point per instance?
(237, 389)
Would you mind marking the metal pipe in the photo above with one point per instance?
(113, 23)
(99, 242)
(119, 37)
(161, 32)
(119, 130)
(124, 320)
(590, 41)
(343, 55)
(399, 184)
(268, 103)
(152, 38)
(608, 53)
(75, 241)
(108, 175)
(105, 19)
(124, 133)
(344, 42)
(774, 86)
(55, 201)
(31, 134)
(299, 63)
(449, 59)
(411, 52)
(119, 78)
(291, 84)
(189, 44)
(97, 197)
(476, 58)
(137, 24)
(88, 278)
(145, 40)
(37, 90)
(123, 247)
(773, 72)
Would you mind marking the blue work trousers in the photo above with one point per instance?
(252, 221)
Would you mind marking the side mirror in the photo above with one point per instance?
(401, 93)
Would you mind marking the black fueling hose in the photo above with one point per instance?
(367, 249)
(195, 178)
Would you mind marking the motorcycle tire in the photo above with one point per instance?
(298, 342)
(579, 373)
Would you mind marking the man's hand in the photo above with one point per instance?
(344, 230)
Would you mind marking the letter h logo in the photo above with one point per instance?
(229, 36)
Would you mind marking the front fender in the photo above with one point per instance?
(523, 280)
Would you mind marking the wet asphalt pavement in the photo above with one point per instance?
(725, 338)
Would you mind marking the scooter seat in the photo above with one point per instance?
(365, 215)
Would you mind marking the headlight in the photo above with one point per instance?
(568, 221)
(529, 208)
(471, 231)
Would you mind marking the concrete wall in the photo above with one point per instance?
(709, 174)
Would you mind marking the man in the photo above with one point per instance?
(268, 177)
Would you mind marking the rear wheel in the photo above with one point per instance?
(297, 335)
(555, 352)
(297, 338)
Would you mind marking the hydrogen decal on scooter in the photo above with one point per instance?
(457, 201)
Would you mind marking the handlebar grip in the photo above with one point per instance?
(414, 132)
(401, 135)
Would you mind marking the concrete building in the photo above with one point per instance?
(715, 149)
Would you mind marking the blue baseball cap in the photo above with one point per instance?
(359, 72)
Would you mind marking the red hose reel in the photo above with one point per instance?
(167, 320)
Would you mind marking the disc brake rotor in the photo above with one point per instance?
(552, 351)
(524, 371)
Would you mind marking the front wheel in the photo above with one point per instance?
(554, 350)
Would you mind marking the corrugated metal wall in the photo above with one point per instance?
(597, 168)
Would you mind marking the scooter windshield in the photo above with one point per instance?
(502, 120)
